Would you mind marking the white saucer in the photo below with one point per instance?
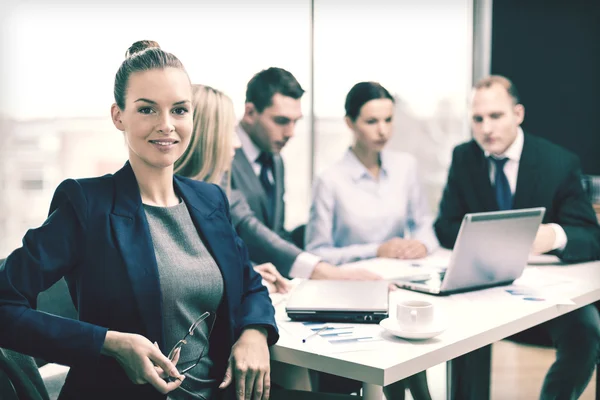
(391, 325)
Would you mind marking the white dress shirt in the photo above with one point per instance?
(352, 213)
(511, 170)
(252, 152)
(305, 263)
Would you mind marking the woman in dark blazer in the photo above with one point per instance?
(125, 267)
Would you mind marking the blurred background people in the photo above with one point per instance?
(504, 168)
(271, 112)
(366, 205)
(370, 203)
(208, 159)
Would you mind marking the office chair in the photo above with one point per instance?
(20, 378)
(56, 300)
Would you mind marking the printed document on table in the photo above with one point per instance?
(538, 285)
(327, 338)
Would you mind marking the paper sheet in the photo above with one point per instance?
(336, 337)
(538, 285)
(543, 259)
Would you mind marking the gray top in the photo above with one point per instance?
(191, 283)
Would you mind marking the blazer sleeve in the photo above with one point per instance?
(256, 308)
(576, 216)
(263, 244)
(452, 206)
(48, 253)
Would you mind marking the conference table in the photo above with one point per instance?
(474, 320)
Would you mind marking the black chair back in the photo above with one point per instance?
(20, 378)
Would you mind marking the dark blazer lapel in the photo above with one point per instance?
(132, 234)
(480, 175)
(216, 232)
(528, 175)
(252, 184)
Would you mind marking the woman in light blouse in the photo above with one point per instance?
(370, 203)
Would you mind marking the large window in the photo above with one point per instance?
(420, 51)
(59, 62)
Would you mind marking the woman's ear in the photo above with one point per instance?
(116, 115)
(349, 122)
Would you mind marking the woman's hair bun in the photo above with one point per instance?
(140, 46)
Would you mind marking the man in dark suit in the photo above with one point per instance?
(504, 168)
(271, 112)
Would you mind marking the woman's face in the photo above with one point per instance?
(157, 119)
(373, 126)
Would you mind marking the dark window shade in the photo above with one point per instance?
(551, 51)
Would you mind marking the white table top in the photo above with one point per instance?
(475, 319)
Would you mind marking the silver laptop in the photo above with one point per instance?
(339, 301)
(491, 250)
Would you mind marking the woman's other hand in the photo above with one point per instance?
(249, 366)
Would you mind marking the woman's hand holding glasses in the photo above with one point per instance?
(142, 361)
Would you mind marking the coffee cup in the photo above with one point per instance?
(414, 315)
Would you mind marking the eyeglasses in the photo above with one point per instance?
(193, 329)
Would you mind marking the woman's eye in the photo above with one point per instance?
(180, 111)
(145, 110)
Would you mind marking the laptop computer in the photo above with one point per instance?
(339, 301)
(491, 250)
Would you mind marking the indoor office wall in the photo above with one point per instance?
(421, 51)
(58, 65)
(551, 51)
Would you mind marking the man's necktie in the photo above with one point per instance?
(266, 162)
(503, 194)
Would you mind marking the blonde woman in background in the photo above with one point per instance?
(209, 157)
(213, 144)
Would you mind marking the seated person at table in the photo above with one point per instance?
(370, 203)
(145, 254)
(504, 168)
(271, 112)
(366, 204)
(208, 158)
